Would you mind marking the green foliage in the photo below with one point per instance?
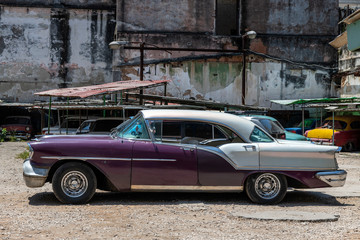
(24, 155)
(3, 135)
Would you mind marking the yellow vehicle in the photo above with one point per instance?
(346, 132)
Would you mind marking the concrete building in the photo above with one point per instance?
(46, 44)
(348, 46)
(289, 59)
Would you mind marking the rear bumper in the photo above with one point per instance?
(333, 178)
(34, 177)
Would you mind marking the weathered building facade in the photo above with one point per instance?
(349, 49)
(290, 57)
(48, 44)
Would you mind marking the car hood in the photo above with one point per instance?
(322, 133)
(72, 138)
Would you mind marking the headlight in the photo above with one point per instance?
(27, 129)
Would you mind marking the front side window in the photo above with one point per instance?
(258, 135)
(135, 129)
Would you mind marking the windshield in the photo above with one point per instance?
(271, 126)
(134, 128)
(17, 120)
(307, 123)
(259, 136)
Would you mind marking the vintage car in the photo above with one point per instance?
(346, 132)
(274, 127)
(99, 126)
(18, 126)
(309, 123)
(180, 150)
(67, 127)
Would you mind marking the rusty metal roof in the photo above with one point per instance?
(107, 88)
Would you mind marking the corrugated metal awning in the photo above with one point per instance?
(340, 40)
(107, 88)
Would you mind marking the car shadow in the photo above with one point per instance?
(292, 198)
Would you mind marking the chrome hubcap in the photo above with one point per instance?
(74, 184)
(267, 186)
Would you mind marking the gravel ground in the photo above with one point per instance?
(36, 214)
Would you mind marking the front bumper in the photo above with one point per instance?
(34, 177)
(333, 178)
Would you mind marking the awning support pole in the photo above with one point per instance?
(67, 116)
(49, 116)
(303, 119)
(116, 103)
(104, 111)
(333, 126)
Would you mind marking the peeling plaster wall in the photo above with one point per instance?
(46, 48)
(221, 81)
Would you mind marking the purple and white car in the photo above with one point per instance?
(180, 150)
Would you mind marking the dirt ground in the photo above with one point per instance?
(36, 214)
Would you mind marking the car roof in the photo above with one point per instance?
(243, 126)
(258, 117)
(28, 117)
(344, 118)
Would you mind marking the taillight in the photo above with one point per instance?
(282, 136)
(293, 131)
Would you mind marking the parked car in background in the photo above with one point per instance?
(68, 127)
(309, 123)
(99, 126)
(274, 127)
(18, 126)
(180, 150)
(346, 132)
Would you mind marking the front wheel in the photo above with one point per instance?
(266, 188)
(74, 183)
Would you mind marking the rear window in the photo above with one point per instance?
(259, 136)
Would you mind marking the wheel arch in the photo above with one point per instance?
(291, 181)
(103, 182)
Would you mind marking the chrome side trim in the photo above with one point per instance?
(334, 178)
(85, 158)
(293, 168)
(155, 188)
(154, 159)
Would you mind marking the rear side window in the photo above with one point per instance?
(355, 125)
(258, 135)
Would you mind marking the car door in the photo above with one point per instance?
(161, 161)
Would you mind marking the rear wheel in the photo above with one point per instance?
(349, 147)
(266, 188)
(74, 183)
